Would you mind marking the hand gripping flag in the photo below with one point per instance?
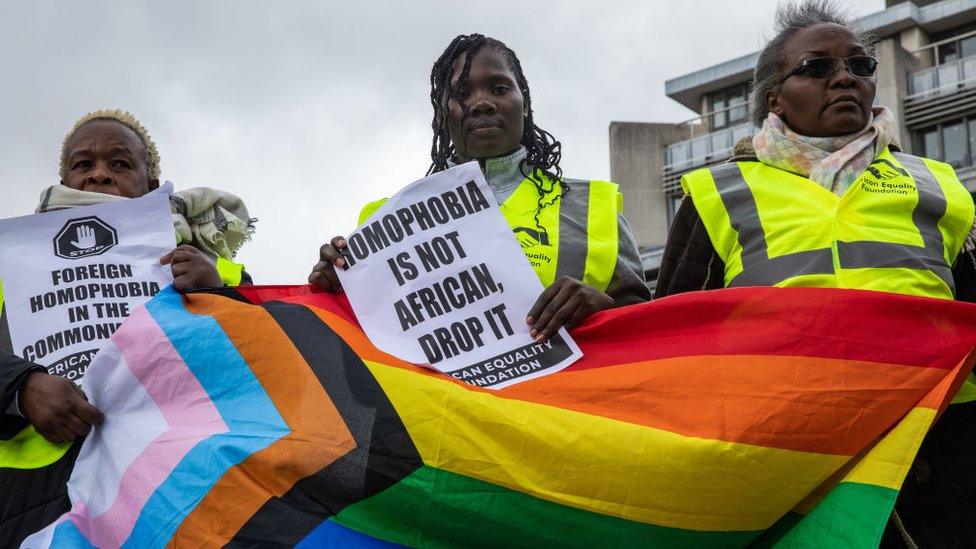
(758, 416)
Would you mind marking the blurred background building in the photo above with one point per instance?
(926, 76)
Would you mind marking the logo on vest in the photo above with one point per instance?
(84, 237)
(531, 240)
(884, 177)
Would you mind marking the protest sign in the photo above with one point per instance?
(435, 277)
(70, 277)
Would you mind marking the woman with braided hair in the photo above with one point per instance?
(571, 230)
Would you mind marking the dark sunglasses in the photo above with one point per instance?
(861, 66)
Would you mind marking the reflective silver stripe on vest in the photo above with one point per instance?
(758, 269)
(574, 210)
(929, 210)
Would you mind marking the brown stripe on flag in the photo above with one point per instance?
(318, 436)
(384, 452)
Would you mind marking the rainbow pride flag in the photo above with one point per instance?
(758, 416)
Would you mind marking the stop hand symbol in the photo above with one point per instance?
(84, 238)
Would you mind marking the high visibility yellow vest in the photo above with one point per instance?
(29, 450)
(230, 272)
(576, 235)
(898, 228)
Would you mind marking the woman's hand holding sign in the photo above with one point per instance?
(567, 302)
(191, 269)
(324, 272)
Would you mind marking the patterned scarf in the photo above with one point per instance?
(832, 162)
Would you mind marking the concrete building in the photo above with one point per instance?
(926, 75)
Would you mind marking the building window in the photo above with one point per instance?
(728, 107)
(948, 76)
(952, 142)
(955, 44)
(737, 105)
(717, 107)
(922, 82)
(929, 144)
(967, 46)
(953, 57)
(948, 53)
(679, 154)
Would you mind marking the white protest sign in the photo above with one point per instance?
(70, 277)
(435, 277)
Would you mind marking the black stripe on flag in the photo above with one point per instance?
(384, 452)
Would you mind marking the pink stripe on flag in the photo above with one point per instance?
(181, 400)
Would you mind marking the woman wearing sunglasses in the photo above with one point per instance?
(822, 196)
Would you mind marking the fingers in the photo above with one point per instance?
(557, 310)
(560, 309)
(50, 436)
(331, 255)
(180, 254)
(566, 303)
(185, 268)
(89, 414)
(324, 275)
(71, 421)
(542, 301)
(75, 427)
(330, 252)
(324, 272)
(195, 274)
(555, 303)
(191, 269)
(183, 283)
(47, 431)
(57, 408)
(579, 315)
(66, 430)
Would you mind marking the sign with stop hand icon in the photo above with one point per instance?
(70, 277)
(84, 237)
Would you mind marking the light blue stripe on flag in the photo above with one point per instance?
(66, 534)
(253, 421)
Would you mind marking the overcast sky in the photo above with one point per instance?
(308, 110)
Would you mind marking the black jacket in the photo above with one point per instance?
(13, 372)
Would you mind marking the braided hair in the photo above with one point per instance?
(543, 150)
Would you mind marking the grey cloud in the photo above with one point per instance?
(310, 109)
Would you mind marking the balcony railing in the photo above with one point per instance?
(705, 149)
(942, 80)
